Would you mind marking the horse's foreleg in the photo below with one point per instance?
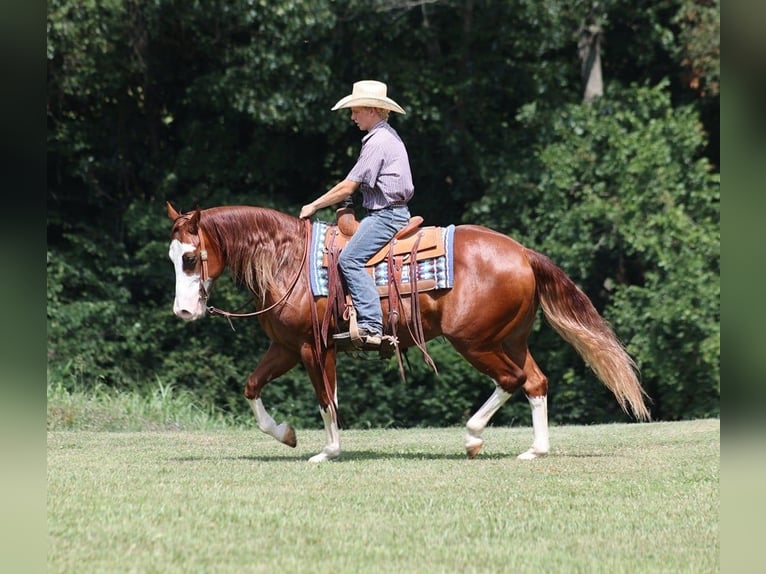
(322, 377)
(536, 389)
(274, 363)
(332, 448)
(478, 422)
(283, 432)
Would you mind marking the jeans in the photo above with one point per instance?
(374, 231)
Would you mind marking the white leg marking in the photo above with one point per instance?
(541, 442)
(266, 423)
(478, 422)
(332, 449)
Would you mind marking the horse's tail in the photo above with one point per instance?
(572, 314)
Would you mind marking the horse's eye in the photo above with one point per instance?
(189, 262)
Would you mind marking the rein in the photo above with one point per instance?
(320, 351)
(228, 314)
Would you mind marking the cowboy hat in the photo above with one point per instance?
(368, 94)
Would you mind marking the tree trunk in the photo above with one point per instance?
(589, 47)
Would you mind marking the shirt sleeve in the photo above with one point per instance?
(368, 166)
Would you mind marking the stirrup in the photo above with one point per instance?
(385, 347)
(359, 339)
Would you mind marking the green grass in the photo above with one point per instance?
(610, 498)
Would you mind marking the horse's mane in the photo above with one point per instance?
(258, 244)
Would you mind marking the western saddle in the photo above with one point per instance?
(411, 244)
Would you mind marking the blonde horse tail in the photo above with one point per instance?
(572, 314)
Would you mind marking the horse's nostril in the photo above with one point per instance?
(184, 314)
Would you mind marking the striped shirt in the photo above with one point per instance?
(383, 168)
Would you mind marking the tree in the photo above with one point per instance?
(617, 194)
(207, 103)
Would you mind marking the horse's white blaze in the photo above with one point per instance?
(332, 449)
(541, 442)
(187, 303)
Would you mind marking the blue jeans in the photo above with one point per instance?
(374, 231)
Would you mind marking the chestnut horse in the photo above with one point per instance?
(487, 315)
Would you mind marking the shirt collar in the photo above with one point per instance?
(373, 129)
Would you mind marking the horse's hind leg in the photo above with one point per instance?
(508, 377)
(274, 363)
(478, 422)
(536, 389)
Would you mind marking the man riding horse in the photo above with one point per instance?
(383, 174)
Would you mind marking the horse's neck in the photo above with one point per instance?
(254, 229)
(262, 248)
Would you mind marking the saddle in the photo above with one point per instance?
(412, 243)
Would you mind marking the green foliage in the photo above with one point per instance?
(700, 45)
(618, 195)
(423, 399)
(208, 103)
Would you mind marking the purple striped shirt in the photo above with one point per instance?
(383, 168)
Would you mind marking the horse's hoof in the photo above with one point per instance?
(323, 457)
(473, 444)
(473, 450)
(289, 438)
(531, 454)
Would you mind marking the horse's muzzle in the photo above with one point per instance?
(189, 314)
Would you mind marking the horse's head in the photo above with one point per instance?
(190, 259)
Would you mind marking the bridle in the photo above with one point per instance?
(204, 295)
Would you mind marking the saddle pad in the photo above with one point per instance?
(436, 272)
(430, 242)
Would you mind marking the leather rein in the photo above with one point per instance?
(228, 314)
(318, 350)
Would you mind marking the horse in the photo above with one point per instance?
(487, 315)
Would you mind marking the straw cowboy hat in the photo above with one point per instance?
(369, 94)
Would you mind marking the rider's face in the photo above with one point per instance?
(364, 118)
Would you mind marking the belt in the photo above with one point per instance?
(392, 204)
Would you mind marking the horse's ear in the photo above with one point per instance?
(172, 213)
(194, 221)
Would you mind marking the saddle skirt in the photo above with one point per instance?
(432, 247)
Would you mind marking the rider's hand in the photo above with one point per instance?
(307, 211)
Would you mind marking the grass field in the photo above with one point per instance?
(610, 498)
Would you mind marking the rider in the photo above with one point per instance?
(382, 172)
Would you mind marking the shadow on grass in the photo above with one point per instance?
(351, 456)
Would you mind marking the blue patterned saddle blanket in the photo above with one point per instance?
(433, 273)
